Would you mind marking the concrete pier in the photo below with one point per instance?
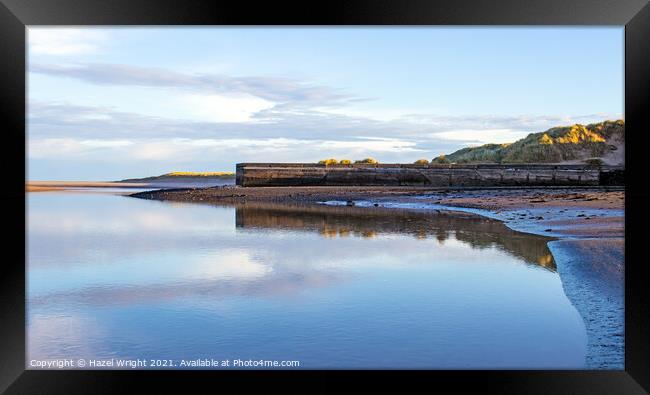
(312, 174)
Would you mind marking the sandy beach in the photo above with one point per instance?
(46, 186)
(187, 182)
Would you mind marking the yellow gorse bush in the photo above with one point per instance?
(578, 134)
(545, 139)
(328, 162)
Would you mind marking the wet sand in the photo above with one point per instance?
(585, 213)
(46, 186)
(38, 188)
(593, 278)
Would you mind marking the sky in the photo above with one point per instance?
(116, 103)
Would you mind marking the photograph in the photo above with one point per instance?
(325, 197)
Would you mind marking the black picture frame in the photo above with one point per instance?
(16, 14)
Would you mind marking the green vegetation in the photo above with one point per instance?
(484, 153)
(371, 161)
(421, 162)
(565, 143)
(345, 162)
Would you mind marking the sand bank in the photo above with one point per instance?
(185, 182)
(44, 186)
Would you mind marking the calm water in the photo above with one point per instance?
(332, 287)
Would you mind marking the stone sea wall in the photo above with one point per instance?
(310, 174)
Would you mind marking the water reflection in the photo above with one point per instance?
(343, 221)
(329, 286)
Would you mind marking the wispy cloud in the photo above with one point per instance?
(61, 135)
(230, 150)
(482, 136)
(524, 122)
(242, 119)
(63, 120)
(64, 41)
(223, 106)
(273, 89)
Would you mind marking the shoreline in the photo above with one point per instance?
(586, 222)
(185, 182)
(46, 186)
(566, 212)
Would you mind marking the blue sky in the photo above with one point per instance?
(116, 103)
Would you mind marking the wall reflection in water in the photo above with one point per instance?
(343, 221)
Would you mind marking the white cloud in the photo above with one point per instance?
(62, 134)
(496, 136)
(70, 147)
(378, 145)
(234, 150)
(274, 89)
(64, 41)
(156, 150)
(105, 143)
(221, 108)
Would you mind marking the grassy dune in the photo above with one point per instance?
(575, 143)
